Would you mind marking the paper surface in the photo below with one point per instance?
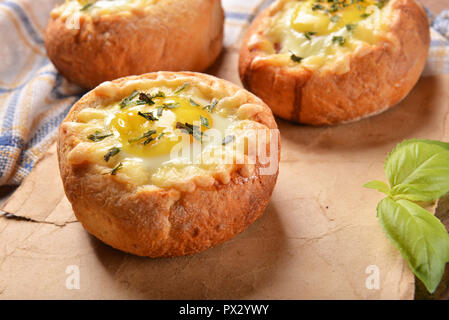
(318, 239)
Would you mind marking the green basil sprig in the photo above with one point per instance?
(417, 171)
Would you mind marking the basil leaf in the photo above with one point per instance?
(444, 145)
(378, 185)
(418, 170)
(420, 237)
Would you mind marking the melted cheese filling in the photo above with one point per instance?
(139, 139)
(130, 124)
(321, 32)
(100, 7)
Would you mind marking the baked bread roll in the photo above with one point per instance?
(327, 62)
(132, 186)
(92, 41)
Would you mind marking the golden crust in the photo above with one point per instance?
(112, 46)
(378, 78)
(163, 222)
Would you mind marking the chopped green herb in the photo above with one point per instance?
(350, 27)
(116, 169)
(332, 9)
(147, 141)
(195, 131)
(170, 105)
(317, 6)
(365, 15)
(111, 152)
(161, 135)
(204, 121)
(166, 106)
(87, 6)
(158, 94)
(185, 126)
(295, 58)
(381, 3)
(339, 39)
(227, 140)
(98, 136)
(140, 102)
(145, 135)
(181, 88)
(309, 34)
(334, 18)
(126, 102)
(211, 106)
(148, 115)
(146, 98)
(193, 103)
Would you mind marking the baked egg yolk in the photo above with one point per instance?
(325, 17)
(149, 130)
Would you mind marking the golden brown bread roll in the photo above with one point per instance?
(133, 189)
(90, 42)
(328, 62)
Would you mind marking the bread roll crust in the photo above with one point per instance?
(377, 79)
(163, 222)
(172, 35)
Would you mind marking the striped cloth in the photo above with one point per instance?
(34, 98)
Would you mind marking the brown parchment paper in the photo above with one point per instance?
(316, 239)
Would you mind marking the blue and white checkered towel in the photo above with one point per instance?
(34, 98)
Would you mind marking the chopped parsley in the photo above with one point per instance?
(98, 136)
(211, 106)
(309, 34)
(181, 88)
(194, 131)
(140, 102)
(193, 103)
(116, 169)
(147, 115)
(334, 18)
(350, 27)
(127, 101)
(295, 58)
(204, 122)
(227, 140)
(147, 99)
(143, 98)
(111, 152)
(146, 135)
(330, 7)
(87, 6)
(381, 3)
(147, 141)
(166, 106)
(158, 94)
(339, 39)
